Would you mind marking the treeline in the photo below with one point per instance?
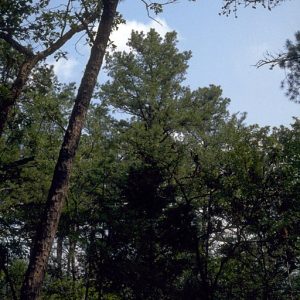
(175, 198)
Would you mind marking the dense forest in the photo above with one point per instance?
(172, 197)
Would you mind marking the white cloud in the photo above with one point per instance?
(71, 69)
(121, 36)
(65, 69)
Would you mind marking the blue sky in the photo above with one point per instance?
(224, 52)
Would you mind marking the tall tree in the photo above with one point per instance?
(59, 186)
(222, 202)
(168, 126)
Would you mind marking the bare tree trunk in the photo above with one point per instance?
(60, 182)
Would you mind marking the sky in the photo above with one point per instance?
(225, 50)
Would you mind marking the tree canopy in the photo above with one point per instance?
(176, 198)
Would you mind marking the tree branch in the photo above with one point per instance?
(232, 5)
(15, 44)
(52, 48)
(64, 38)
(85, 25)
(273, 61)
(156, 7)
(65, 19)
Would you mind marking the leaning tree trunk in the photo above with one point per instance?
(60, 182)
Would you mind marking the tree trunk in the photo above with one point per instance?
(9, 100)
(59, 186)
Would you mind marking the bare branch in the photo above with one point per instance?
(270, 59)
(16, 45)
(156, 7)
(274, 60)
(85, 25)
(65, 19)
(60, 42)
(232, 5)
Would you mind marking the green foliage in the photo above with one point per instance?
(16, 274)
(60, 289)
(177, 200)
(41, 21)
(28, 153)
(291, 63)
(227, 183)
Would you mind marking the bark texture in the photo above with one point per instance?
(60, 182)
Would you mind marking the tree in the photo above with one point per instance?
(203, 98)
(59, 186)
(226, 184)
(147, 84)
